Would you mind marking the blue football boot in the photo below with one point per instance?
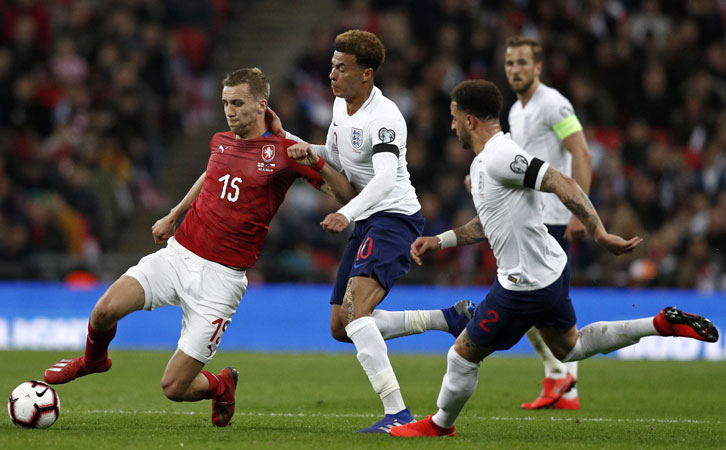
(458, 316)
(389, 421)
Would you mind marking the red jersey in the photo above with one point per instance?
(245, 183)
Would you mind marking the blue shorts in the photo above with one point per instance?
(558, 232)
(380, 247)
(504, 316)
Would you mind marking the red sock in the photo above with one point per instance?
(216, 386)
(97, 343)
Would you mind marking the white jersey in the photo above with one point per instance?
(349, 147)
(539, 128)
(504, 185)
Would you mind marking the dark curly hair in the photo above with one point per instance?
(479, 98)
(366, 47)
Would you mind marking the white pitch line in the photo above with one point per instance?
(493, 418)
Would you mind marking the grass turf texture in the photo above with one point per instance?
(313, 401)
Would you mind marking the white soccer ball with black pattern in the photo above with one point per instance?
(34, 404)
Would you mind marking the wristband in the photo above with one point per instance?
(447, 239)
(319, 165)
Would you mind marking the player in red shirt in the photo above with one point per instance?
(202, 268)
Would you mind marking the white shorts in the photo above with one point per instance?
(208, 293)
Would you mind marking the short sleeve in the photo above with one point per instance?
(388, 129)
(512, 166)
(560, 116)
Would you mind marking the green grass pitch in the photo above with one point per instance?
(317, 401)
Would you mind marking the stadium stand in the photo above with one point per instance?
(90, 102)
(91, 95)
(648, 82)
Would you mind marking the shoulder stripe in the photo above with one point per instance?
(378, 148)
(530, 176)
(567, 126)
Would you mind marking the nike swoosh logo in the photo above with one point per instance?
(356, 265)
(562, 388)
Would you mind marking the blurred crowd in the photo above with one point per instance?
(90, 95)
(647, 80)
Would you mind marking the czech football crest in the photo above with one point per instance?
(356, 138)
(268, 152)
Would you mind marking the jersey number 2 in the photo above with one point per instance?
(494, 317)
(232, 185)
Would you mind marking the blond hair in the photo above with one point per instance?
(259, 87)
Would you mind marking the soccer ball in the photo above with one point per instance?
(34, 404)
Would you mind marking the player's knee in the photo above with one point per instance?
(339, 334)
(461, 348)
(343, 320)
(119, 300)
(560, 353)
(173, 390)
(106, 311)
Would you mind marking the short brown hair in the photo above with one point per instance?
(534, 45)
(366, 47)
(259, 87)
(479, 98)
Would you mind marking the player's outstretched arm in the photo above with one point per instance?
(336, 184)
(572, 196)
(470, 233)
(576, 144)
(164, 228)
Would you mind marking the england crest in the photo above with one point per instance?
(356, 138)
(268, 152)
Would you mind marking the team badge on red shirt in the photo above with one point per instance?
(268, 152)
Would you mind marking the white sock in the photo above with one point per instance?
(393, 324)
(572, 368)
(373, 356)
(605, 337)
(458, 386)
(553, 367)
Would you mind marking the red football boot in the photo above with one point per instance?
(674, 322)
(552, 391)
(223, 406)
(425, 427)
(567, 403)
(67, 370)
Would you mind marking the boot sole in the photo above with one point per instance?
(702, 326)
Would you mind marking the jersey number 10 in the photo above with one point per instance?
(232, 185)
